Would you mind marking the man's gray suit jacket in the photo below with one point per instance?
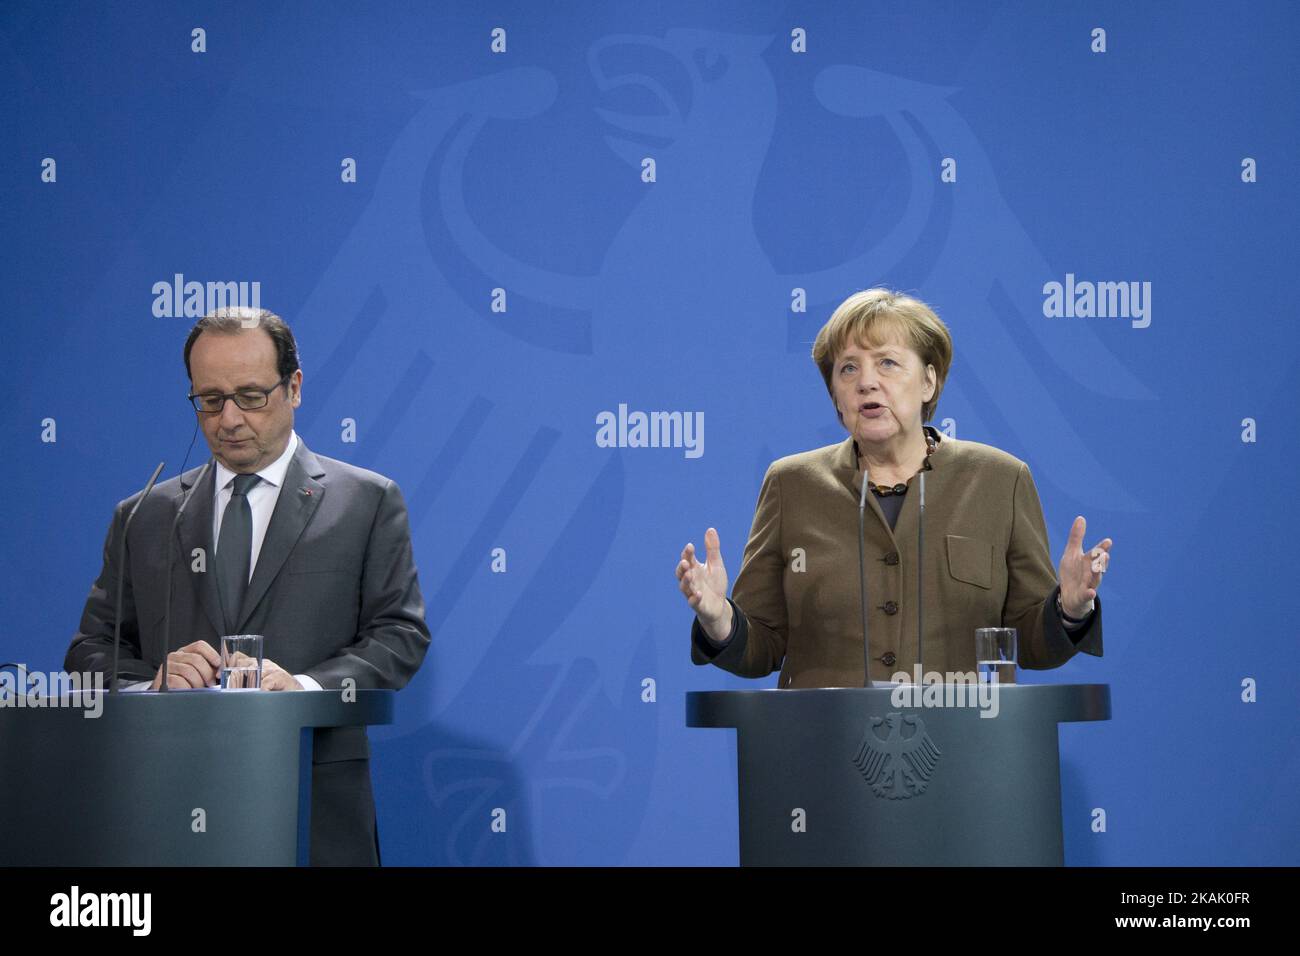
(334, 593)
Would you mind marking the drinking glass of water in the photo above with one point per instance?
(995, 654)
(241, 662)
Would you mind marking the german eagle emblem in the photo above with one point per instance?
(899, 761)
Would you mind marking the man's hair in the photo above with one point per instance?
(868, 318)
(233, 319)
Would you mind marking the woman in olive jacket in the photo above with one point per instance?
(796, 605)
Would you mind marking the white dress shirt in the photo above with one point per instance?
(261, 498)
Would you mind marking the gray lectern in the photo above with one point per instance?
(185, 778)
(843, 776)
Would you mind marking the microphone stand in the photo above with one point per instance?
(121, 571)
(171, 551)
(920, 562)
(862, 576)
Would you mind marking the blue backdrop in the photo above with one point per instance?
(970, 153)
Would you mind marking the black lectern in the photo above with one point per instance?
(844, 776)
(185, 778)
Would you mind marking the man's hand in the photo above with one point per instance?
(1080, 573)
(275, 677)
(195, 665)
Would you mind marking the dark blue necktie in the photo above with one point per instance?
(235, 550)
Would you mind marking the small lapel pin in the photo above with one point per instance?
(306, 491)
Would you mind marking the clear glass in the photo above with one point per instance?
(241, 662)
(995, 654)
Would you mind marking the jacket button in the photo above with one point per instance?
(890, 607)
(888, 659)
(891, 558)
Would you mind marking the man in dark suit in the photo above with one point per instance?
(312, 553)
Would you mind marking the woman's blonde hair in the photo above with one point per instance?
(872, 317)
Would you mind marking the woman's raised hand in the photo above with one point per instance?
(1080, 572)
(705, 586)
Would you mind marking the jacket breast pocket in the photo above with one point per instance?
(970, 560)
(312, 563)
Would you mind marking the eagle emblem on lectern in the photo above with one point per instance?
(898, 761)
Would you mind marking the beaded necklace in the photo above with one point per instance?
(901, 487)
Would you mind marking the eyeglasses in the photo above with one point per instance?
(249, 399)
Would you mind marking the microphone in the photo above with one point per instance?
(920, 564)
(121, 571)
(171, 551)
(862, 575)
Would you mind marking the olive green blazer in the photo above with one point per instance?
(986, 564)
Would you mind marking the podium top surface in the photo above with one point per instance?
(1035, 702)
(306, 708)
